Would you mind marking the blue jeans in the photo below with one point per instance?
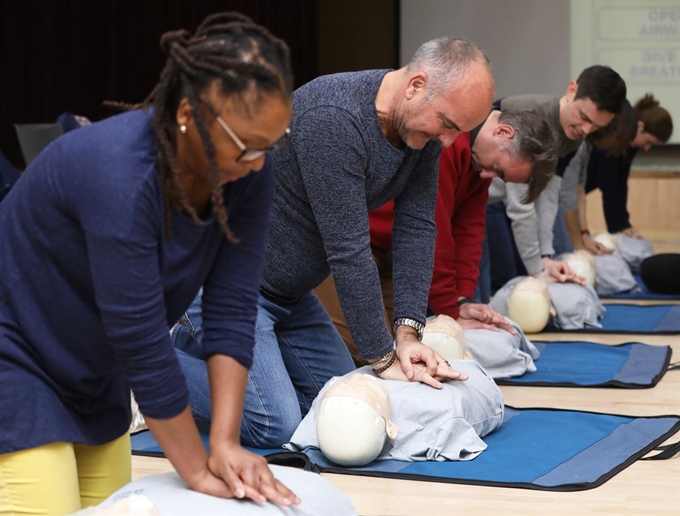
(505, 262)
(297, 350)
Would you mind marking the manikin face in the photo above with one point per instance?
(354, 420)
(644, 140)
(491, 160)
(444, 115)
(445, 335)
(581, 117)
(608, 240)
(529, 305)
(261, 128)
(583, 264)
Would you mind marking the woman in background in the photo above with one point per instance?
(610, 173)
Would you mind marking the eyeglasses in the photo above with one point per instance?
(247, 154)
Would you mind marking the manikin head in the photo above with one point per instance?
(583, 264)
(354, 420)
(529, 305)
(608, 240)
(444, 335)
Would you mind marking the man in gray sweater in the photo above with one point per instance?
(589, 103)
(357, 140)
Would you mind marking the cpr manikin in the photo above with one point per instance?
(354, 420)
(583, 264)
(166, 494)
(529, 305)
(608, 240)
(444, 335)
(134, 505)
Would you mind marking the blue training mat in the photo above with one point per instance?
(586, 364)
(645, 294)
(143, 443)
(535, 448)
(620, 318)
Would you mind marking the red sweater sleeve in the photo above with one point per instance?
(381, 221)
(460, 216)
(468, 225)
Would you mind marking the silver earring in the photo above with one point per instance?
(183, 129)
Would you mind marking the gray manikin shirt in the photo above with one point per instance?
(501, 354)
(336, 167)
(172, 497)
(576, 307)
(613, 276)
(432, 424)
(532, 224)
(634, 250)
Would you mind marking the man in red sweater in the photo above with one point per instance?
(516, 146)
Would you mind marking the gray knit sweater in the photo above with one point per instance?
(336, 167)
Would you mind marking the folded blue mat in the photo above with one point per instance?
(620, 318)
(644, 294)
(535, 448)
(586, 364)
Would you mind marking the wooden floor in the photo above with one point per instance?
(650, 488)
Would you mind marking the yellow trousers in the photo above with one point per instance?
(61, 478)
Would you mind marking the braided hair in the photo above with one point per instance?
(248, 61)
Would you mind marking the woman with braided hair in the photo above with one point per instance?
(106, 240)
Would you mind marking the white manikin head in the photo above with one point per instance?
(608, 240)
(529, 305)
(583, 264)
(444, 335)
(354, 420)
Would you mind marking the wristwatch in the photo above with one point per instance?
(407, 321)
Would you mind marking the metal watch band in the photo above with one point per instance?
(407, 321)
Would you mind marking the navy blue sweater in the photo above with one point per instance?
(89, 285)
(336, 167)
(610, 175)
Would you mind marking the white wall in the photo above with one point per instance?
(528, 41)
(640, 39)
